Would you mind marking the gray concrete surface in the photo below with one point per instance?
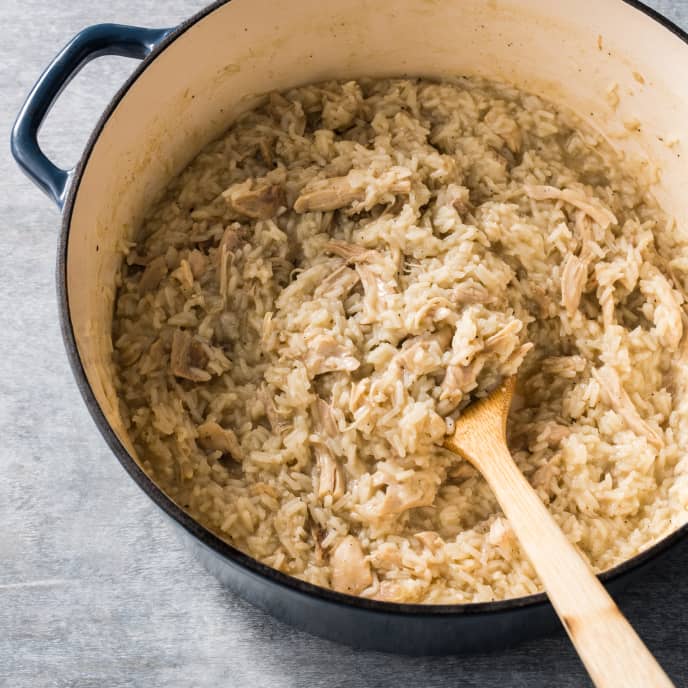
(95, 589)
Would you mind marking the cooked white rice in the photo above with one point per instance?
(320, 293)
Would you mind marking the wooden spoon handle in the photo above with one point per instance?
(612, 652)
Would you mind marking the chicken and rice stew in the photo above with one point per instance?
(303, 316)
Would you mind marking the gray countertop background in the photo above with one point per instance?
(95, 588)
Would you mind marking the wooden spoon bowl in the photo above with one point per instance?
(611, 650)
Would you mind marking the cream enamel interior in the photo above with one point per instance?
(568, 52)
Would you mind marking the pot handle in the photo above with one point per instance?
(91, 42)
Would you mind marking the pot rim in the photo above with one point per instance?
(194, 527)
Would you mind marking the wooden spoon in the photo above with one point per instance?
(612, 652)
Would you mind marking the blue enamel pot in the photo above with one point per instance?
(192, 80)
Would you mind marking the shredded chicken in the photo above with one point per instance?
(255, 199)
(459, 380)
(153, 274)
(350, 569)
(358, 395)
(327, 194)
(418, 490)
(667, 318)
(325, 355)
(599, 213)
(378, 288)
(422, 354)
(507, 336)
(324, 418)
(213, 437)
(331, 480)
(188, 358)
(435, 310)
(337, 284)
(377, 274)
(518, 354)
(339, 192)
(418, 356)
(585, 234)
(574, 274)
(606, 276)
(352, 253)
(616, 396)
